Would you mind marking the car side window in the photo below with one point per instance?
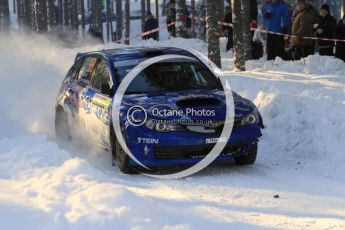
(101, 75)
(87, 68)
(73, 71)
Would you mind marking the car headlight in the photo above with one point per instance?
(162, 126)
(251, 118)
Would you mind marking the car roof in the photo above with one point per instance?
(137, 52)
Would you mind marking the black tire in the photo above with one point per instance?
(118, 153)
(249, 158)
(62, 129)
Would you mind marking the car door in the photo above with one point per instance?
(80, 89)
(99, 93)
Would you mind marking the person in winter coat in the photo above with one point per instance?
(150, 24)
(340, 34)
(326, 29)
(228, 32)
(277, 19)
(302, 26)
(171, 17)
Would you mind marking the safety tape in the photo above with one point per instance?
(164, 26)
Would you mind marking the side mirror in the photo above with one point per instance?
(105, 89)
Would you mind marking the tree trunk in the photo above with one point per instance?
(20, 14)
(41, 16)
(28, 14)
(118, 19)
(82, 12)
(238, 35)
(212, 32)
(148, 5)
(143, 15)
(127, 20)
(4, 15)
(60, 12)
(109, 18)
(157, 15)
(66, 13)
(193, 14)
(247, 34)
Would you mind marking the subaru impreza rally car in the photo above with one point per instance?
(171, 114)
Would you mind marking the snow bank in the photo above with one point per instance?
(301, 155)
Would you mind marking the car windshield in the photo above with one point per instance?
(172, 75)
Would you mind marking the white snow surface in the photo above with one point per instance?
(301, 154)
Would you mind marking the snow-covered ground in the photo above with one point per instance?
(301, 154)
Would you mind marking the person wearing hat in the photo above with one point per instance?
(150, 24)
(302, 26)
(326, 29)
(171, 17)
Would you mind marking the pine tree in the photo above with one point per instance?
(127, 20)
(4, 15)
(212, 32)
(118, 20)
(238, 35)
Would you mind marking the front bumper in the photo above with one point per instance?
(179, 148)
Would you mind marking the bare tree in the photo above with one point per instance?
(247, 35)
(4, 15)
(127, 20)
(238, 35)
(212, 32)
(119, 19)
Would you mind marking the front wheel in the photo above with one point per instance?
(118, 153)
(249, 158)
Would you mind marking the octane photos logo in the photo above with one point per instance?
(138, 116)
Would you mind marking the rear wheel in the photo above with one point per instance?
(62, 129)
(119, 155)
(249, 158)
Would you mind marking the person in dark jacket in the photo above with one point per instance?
(228, 32)
(171, 17)
(277, 19)
(150, 24)
(326, 29)
(340, 34)
(302, 26)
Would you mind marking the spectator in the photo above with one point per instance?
(309, 6)
(340, 34)
(228, 32)
(277, 20)
(326, 29)
(171, 17)
(302, 26)
(150, 24)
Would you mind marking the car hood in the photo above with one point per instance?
(192, 99)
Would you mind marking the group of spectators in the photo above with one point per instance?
(305, 22)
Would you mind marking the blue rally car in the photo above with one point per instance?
(171, 114)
